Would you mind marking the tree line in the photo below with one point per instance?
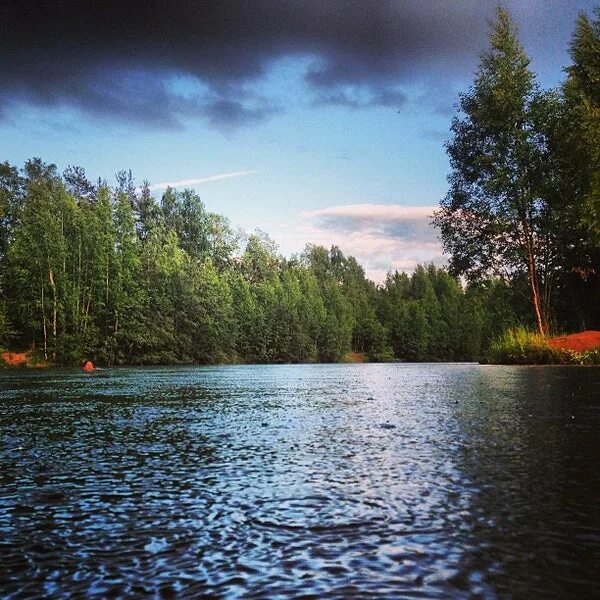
(114, 274)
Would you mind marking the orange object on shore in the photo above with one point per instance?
(577, 342)
(15, 359)
(88, 366)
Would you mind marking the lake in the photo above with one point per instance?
(327, 481)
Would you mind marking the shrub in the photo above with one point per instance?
(591, 357)
(520, 346)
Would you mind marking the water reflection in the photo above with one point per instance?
(534, 518)
(324, 481)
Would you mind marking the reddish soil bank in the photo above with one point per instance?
(15, 359)
(577, 342)
(21, 359)
(355, 357)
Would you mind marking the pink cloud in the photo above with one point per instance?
(372, 212)
(381, 237)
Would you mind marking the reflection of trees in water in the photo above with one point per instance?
(533, 517)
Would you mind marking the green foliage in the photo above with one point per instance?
(116, 275)
(496, 218)
(582, 92)
(591, 357)
(381, 352)
(428, 316)
(520, 346)
(524, 197)
(6, 329)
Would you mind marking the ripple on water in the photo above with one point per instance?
(321, 481)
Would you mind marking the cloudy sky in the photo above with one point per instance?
(315, 120)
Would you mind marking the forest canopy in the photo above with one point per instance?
(110, 272)
(114, 274)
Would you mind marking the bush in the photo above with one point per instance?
(520, 346)
(591, 357)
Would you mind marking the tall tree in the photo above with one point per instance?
(12, 190)
(127, 293)
(38, 255)
(582, 90)
(495, 218)
(581, 181)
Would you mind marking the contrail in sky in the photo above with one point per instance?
(189, 182)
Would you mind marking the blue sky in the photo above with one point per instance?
(330, 117)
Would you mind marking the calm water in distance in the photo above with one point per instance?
(326, 481)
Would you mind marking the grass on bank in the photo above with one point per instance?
(519, 346)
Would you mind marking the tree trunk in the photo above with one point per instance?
(541, 318)
(44, 324)
(54, 309)
(540, 313)
(107, 279)
(87, 311)
(80, 299)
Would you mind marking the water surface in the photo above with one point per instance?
(340, 481)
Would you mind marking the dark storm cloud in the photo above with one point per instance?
(120, 59)
(227, 114)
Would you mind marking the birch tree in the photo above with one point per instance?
(495, 219)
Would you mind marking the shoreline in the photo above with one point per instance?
(566, 350)
(105, 369)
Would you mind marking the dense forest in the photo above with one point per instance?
(109, 272)
(115, 274)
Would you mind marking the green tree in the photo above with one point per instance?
(576, 185)
(126, 293)
(103, 288)
(12, 191)
(206, 325)
(259, 261)
(148, 213)
(582, 91)
(222, 241)
(335, 338)
(249, 345)
(495, 218)
(38, 255)
(311, 312)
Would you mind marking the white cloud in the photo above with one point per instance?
(381, 237)
(193, 182)
(371, 212)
